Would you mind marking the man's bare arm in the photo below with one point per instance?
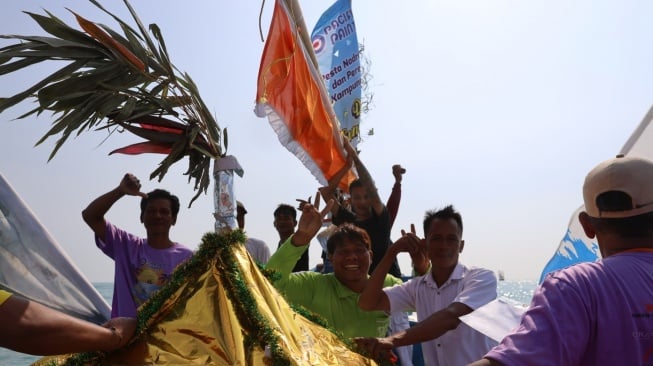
(328, 192)
(94, 213)
(30, 327)
(485, 362)
(366, 180)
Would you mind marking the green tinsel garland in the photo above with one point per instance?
(185, 272)
(258, 329)
(246, 307)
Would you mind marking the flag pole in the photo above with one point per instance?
(298, 16)
(300, 24)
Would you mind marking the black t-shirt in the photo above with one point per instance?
(378, 228)
(302, 262)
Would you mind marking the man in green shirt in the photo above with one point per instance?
(333, 296)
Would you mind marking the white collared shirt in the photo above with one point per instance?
(471, 286)
(258, 249)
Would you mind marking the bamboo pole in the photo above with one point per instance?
(296, 12)
(298, 16)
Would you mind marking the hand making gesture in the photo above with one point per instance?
(130, 185)
(310, 221)
(415, 246)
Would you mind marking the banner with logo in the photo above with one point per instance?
(336, 47)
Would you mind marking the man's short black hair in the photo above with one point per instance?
(286, 209)
(347, 231)
(356, 183)
(443, 214)
(161, 193)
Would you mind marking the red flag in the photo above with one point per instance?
(292, 95)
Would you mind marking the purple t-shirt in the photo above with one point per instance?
(589, 314)
(140, 270)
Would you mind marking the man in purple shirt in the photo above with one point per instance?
(142, 265)
(598, 313)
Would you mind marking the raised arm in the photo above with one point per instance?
(373, 297)
(310, 222)
(30, 327)
(395, 195)
(329, 192)
(94, 213)
(366, 179)
(417, 251)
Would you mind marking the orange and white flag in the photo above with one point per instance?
(292, 95)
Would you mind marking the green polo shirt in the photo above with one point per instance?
(323, 294)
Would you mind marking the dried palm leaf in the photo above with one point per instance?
(117, 82)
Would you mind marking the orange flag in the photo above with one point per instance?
(292, 95)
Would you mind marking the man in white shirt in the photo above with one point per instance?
(448, 291)
(258, 249)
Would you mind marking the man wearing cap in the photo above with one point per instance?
(259, 251)
(597, 313)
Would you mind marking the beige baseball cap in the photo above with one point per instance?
(630, 175)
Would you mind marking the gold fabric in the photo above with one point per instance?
(208, 318)
(4, 295)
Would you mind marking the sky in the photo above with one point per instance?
(497, 107)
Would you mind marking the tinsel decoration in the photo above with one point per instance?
(223, 256)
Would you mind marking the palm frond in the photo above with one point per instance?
(117, 81)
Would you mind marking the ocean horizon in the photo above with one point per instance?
(519, 291)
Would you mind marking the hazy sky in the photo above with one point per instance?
(497, 107)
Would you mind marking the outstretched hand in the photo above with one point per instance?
(379, 348)
(130, 185)
(310, 221)
(124, 329)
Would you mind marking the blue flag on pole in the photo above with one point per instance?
(336, 48)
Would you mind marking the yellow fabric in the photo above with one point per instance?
(4, 295)
(200, 325)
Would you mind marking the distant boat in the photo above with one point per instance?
(501, 275)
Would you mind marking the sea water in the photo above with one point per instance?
(520, 291)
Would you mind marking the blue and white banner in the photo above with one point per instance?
(336, 47)
(575, 246)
